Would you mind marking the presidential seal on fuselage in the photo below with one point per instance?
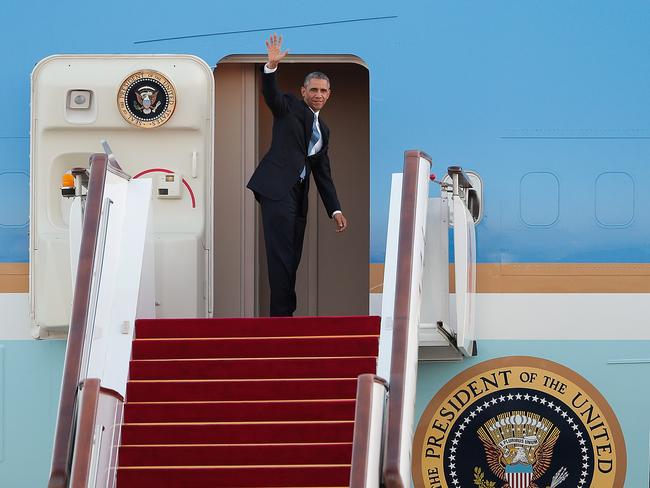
(146, 99)
(518, 422)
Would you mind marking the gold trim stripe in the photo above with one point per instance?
(376, 278)
(14, 277)
(247, 338)
(293, 444)
(238, 402)
(491, 278)
(234, 466)
(548, 278)
(258, 422)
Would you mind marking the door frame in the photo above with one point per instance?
(251, 249)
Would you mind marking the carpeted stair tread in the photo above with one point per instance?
(235, 476)
(237, 455)
(244, 403)
(236, 411)
(237, 433)
(338, 346)
(228, 390)
(257, 327)
(346, 367)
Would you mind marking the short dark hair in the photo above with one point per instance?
(315, 75)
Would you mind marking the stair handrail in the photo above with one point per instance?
(403, 357)
(65, 428)
(365, 471)
(84, 439)
(77, 350)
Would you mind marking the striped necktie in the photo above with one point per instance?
(315, 137)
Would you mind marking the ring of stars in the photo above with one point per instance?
(536, 398)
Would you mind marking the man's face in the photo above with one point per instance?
(316, 93)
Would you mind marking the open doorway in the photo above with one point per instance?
(333, 275)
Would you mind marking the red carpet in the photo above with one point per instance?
(263, 402)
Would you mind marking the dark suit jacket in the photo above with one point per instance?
(281, 166)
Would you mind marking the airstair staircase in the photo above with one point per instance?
(252, 402)
(244, 402)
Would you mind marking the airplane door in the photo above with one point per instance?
(157, 114)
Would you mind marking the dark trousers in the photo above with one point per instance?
(284, 231)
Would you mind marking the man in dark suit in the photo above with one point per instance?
(281, 180)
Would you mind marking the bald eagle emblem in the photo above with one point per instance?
(146, 99)
(519, 448)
